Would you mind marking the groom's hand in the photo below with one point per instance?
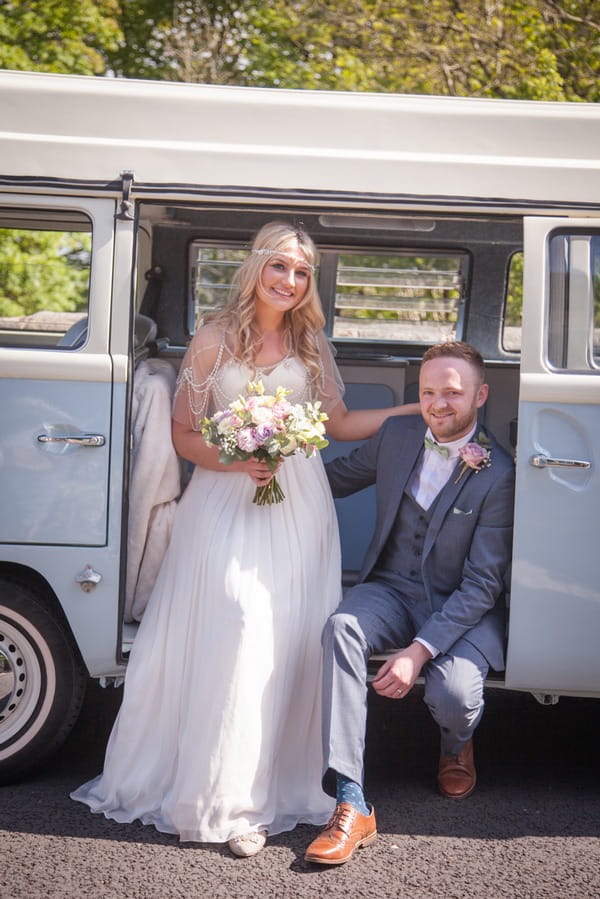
(397, 676)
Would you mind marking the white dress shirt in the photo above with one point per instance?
(435, 470)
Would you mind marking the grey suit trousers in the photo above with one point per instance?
(373, 617)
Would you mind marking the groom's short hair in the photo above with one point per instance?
(457, 349)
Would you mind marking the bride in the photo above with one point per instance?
(218, 736)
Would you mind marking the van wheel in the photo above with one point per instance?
(42, 680)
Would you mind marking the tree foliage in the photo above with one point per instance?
(58, 35)
(488, 48)
(542, 49)
(43, 270)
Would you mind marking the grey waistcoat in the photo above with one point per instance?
(401, 558)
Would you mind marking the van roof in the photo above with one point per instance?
(386, 146)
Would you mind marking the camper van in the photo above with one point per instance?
(125, 207)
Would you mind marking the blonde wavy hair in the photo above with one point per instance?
(303, 322)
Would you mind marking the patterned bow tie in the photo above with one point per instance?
(432, 445)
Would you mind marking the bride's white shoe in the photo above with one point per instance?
(248, 843)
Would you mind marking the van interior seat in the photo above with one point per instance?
(75, 336)
(145, 331)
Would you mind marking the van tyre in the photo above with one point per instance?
(42, 680)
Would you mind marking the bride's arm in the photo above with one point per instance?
(346, 424)
(356, 424)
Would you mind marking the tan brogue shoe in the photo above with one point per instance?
(456, 773)
(347, 830)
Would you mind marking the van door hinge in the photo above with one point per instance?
(126, 209)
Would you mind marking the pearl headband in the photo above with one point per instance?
(264, 251)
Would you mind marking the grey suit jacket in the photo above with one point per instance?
(467, 547)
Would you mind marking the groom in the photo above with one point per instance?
(432, 583)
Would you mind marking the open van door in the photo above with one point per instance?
(555, 594)
(63, 392)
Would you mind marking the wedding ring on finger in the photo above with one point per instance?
(398, 693)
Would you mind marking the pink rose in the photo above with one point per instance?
(281, 409)
(474, 455)
(246, 440)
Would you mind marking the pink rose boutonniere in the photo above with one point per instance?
(475, 455)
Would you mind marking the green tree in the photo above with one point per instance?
(542, 49)
(574, 39)
(143, 25)
(182, 40)
(70, 36)
(43, 271)
(488, 48)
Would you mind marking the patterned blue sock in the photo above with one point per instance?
(349, 791)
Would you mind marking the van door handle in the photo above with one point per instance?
(83, 440)
(541, 461)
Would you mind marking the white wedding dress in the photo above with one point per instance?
(219, 732)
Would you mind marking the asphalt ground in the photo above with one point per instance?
(530, 830)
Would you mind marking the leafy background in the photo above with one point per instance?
(542, 50)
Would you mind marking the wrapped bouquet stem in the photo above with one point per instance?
(266, 427)
(269, 493)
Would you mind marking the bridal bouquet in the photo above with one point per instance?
(266, 427)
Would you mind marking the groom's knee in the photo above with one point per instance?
(343, 637)
(454, 703)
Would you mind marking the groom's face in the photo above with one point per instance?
(450, 393)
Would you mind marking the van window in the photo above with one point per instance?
(513, 305)
(398, 296)
(378, 296)
(212, 269)
(574, 301)
(44, 277)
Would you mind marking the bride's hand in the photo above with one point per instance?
(258, 471)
